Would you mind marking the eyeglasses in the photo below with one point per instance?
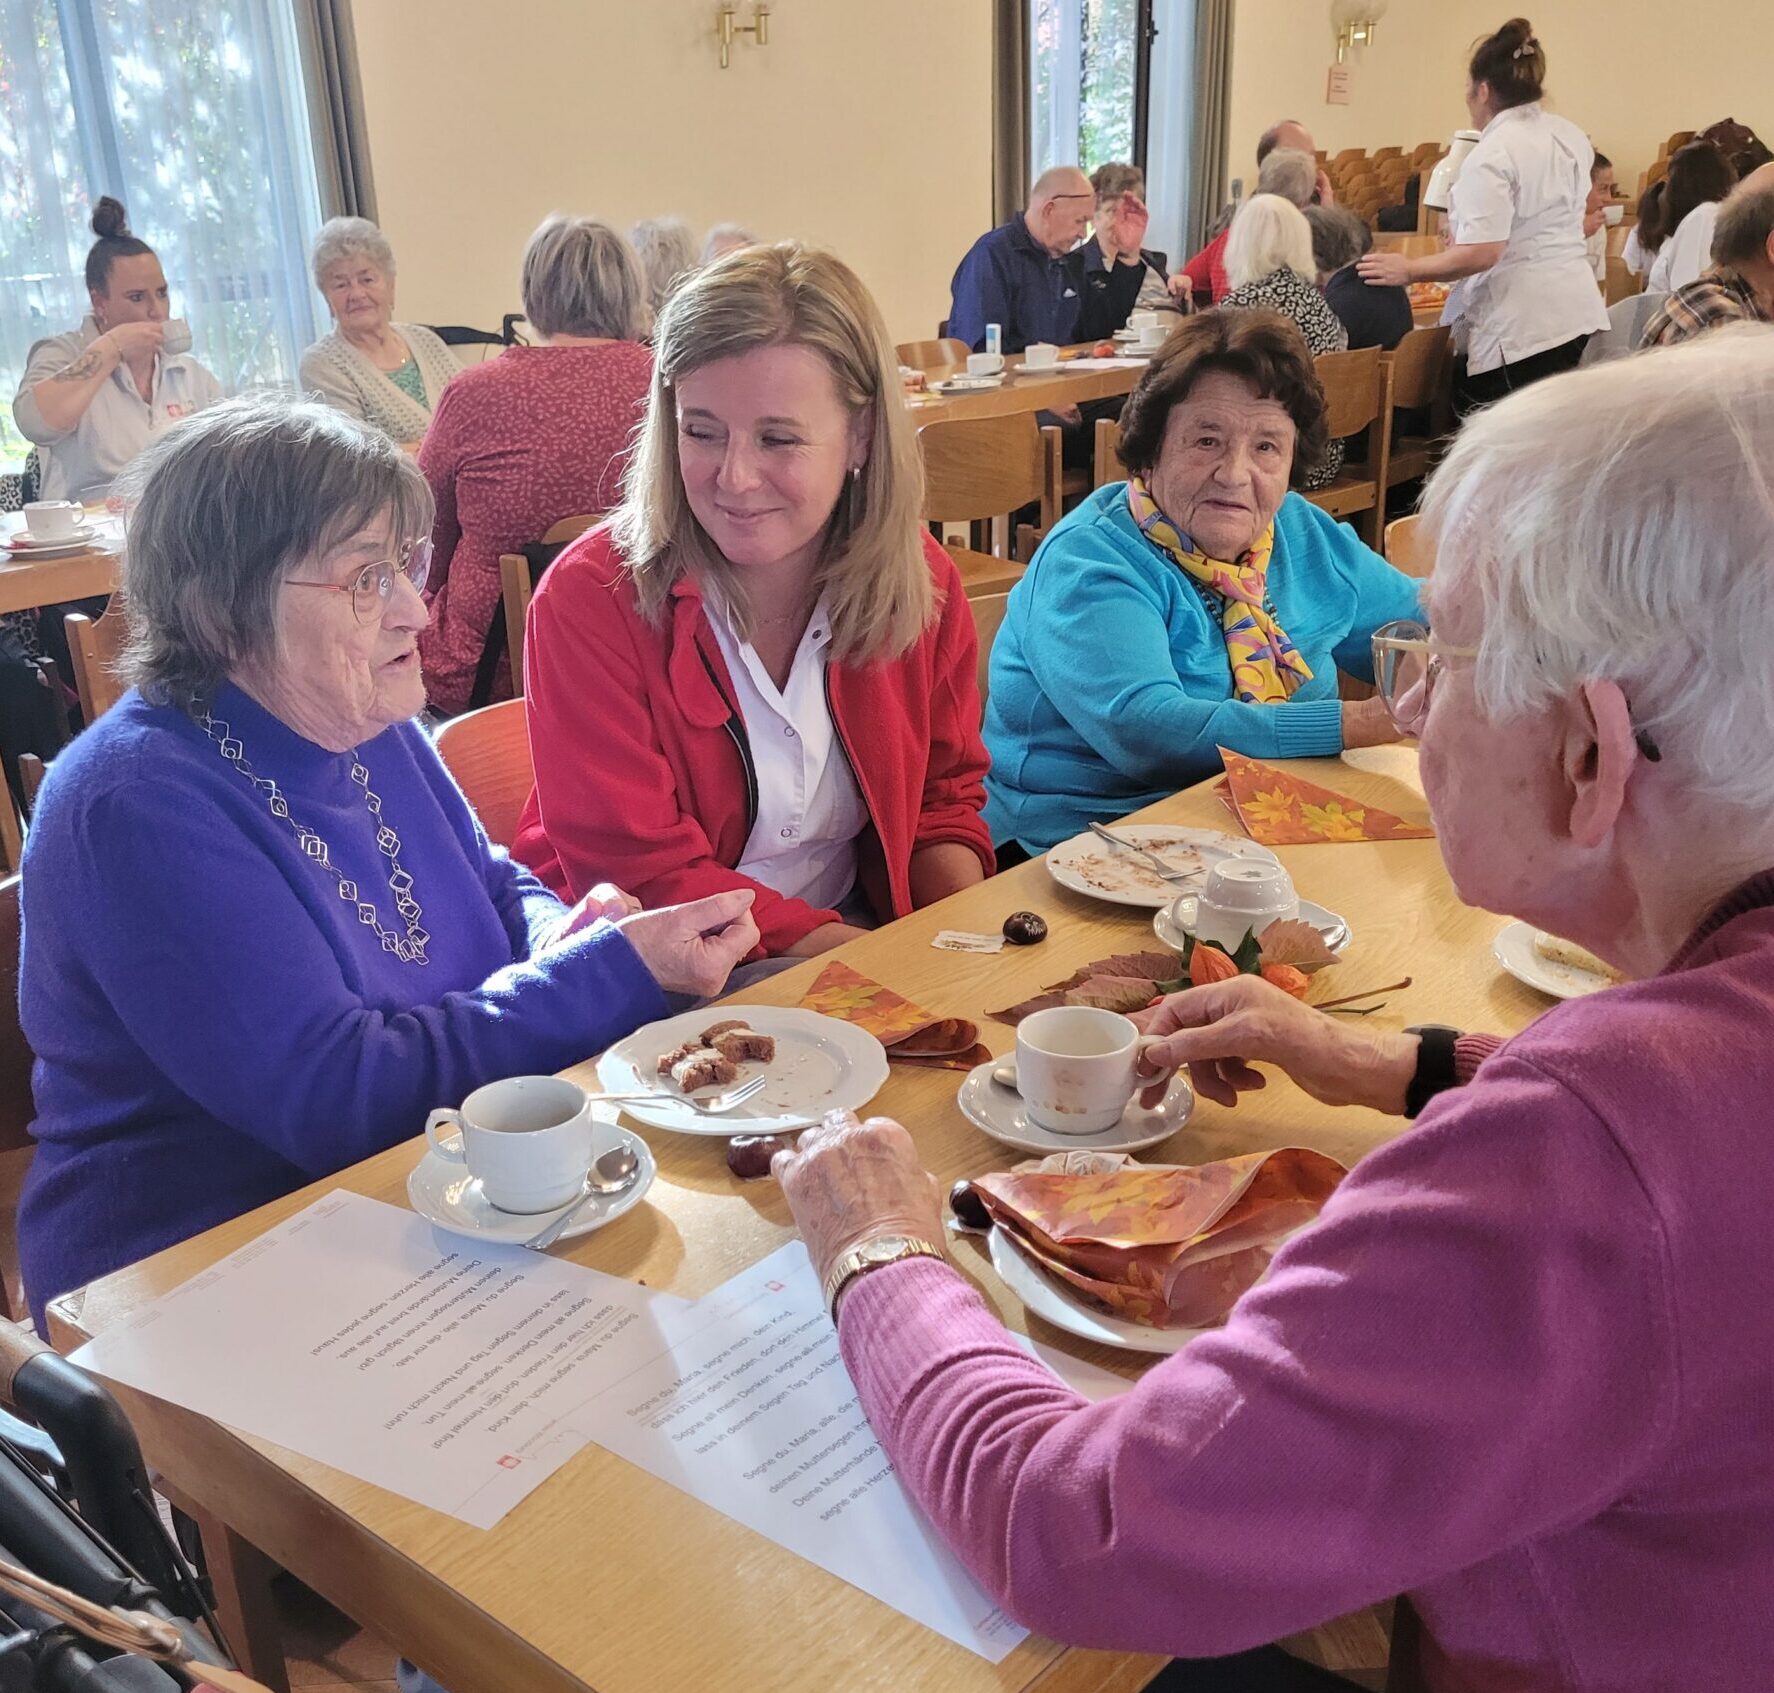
(1407, 662)
(373, 587)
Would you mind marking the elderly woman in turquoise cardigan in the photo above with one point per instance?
(1198, 605)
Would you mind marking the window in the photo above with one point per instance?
(1086, 63)
(191, 112)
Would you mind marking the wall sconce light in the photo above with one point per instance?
(1354, 22)
(759, 26)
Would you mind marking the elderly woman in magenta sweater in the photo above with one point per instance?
(1519, 1369)
(1197, 605)
(263, 933)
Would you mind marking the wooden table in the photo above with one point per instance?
(606, 1578)
(1022, 390)
(26, 584)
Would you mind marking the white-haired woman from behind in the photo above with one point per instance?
(1518, 1370)
(1270, 264)
(667, 250)
(386, 374)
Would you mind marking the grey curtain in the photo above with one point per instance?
(1010, 109)
(335, 108)
(1209, 156)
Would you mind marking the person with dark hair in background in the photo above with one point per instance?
(1738, 286)
(1373, 316)
(1525, 301)
(1700, 176)
(1646, 237)
(1205, 274)
(1110, 182)
(1595, 214)
(93, 398)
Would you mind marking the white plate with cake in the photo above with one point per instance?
(810, 1065)
(1552, 966)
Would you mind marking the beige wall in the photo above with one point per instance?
(1616, 67)
(864, 127)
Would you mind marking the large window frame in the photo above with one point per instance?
(1063, 52)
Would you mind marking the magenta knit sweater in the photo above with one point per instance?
(1522, 1369)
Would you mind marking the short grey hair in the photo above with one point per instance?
(227, 505)
(1617, 524)
(1268, 234)
(1292, 175)
(340, 238)
(667, 250)
(1746, 220)
(725, 236)
(1339, 237)
(581, 278)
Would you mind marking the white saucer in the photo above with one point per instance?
(1176, 923)
(1050, 1299)
(443, 1192)
(998, 1111)
(20, 546)
(1514, 950)
(968, 384)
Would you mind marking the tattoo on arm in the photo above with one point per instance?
(84, 366)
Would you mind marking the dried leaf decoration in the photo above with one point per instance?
(1293, 941)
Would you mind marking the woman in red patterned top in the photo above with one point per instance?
(535, 435)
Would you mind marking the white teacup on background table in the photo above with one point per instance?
(1040, 355)
(1144, 320)
(53, 520)
(984, 364)
(1243, 896)
(528, 1140)
(1077, 1067)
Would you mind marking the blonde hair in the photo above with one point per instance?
(1269, 234)
(873, 571)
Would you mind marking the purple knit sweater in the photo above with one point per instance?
(1522, 1369)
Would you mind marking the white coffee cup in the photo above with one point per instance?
(528, 1140)
(1077, 1067)
(175, 337)
(1243, 896)
(1613, 214)
(1040, 355)
(1152, 336)
(1143, 320)
(53, 520)
(984, 364)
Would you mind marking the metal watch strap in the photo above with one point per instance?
(872, 1254)
(1435, 1065)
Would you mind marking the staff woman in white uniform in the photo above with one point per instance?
(1526, 301)
(1700, 176)
(93, 398)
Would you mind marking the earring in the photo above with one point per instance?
(854, 515)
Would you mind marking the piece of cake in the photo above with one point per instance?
(1556, 950)
(741, 1045)
(668, 1061)
(701, 1068)
(707, 1037)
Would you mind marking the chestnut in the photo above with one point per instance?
(748, 1156)
(1025, 928)
(970, 1210)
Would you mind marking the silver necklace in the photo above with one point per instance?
(410, 949)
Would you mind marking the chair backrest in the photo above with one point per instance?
(1351, 389)
(928, 355)
(981, 467)
(96, 648)
(517, 583)
(1108, 466)
(16, 1109)
(988, 619)
(1406, 549)
(1420, 366)
(488, 752)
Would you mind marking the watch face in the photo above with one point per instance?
(884, 1249)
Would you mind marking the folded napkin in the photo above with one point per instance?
(1276, 809)
(910, 1034)
(1171, 1246)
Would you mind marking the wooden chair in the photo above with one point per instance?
(1422, 368)
(1622, 284)
(929, 355)
(1109, 467)
(988, 619)
(1358, 398)
(488, 752)
(1406, 548)
(16, 1109)
(12, 839)
(1066, 486)
(518, 582)
(96, 649)
(985, 469)
(982, 574)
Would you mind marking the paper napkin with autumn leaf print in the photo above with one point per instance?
(1277, 809)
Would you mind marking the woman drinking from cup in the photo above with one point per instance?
(761, 673)
(263, 933)
(94, 398)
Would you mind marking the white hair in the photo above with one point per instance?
(723, 238)
(1291, 174)
(1269, 234)
(667, 250)
(339, 238)
(1617, 524)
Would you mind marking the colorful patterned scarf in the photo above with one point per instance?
(1266, 666)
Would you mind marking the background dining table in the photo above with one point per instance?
(27, 583)
(608, 1578)
(1025, 390)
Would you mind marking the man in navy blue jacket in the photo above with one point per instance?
(1030, 277)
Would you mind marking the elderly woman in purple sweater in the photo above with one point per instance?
(1520, 1369)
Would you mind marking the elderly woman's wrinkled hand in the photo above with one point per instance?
(848, 1181)
(605, 903)
(1220, 1030)
(1384, 270)
(693, 948)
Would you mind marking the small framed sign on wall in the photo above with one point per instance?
(1338, 82)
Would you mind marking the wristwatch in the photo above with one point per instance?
(1435, 1065)
(871, 1255)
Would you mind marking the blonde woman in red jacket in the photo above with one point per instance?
(760, 672)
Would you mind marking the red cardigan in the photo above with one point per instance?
(643, 769)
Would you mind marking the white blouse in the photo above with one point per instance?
(1524, 184)
(810, 809)
(1688, 252)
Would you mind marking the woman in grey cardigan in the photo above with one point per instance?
(390, 375)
